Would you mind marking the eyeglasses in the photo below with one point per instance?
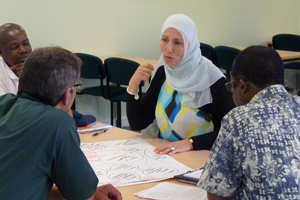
(78, 84)
(229, 85)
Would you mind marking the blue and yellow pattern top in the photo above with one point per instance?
(176, 121)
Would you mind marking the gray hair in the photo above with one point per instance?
(48, 73)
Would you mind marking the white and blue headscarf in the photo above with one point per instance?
(195, 74)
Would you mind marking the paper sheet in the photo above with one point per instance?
(127, 162)
(170, 191)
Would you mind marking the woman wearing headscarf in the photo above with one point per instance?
(187, 97)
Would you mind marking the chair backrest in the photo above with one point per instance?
(208, 51)
(92, 66)
(225, 56)
(119, 70)
(289, 42)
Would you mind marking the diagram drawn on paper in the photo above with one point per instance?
(126, 162)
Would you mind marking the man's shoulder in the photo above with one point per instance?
(7, 101)
(54, 116)
(29, 107)
(3, 64)
(239, 111)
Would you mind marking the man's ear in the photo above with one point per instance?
(244, 86)
(66, 97)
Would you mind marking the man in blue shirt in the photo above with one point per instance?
(39, 143)
(257, 152)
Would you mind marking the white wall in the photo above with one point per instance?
(132, 27)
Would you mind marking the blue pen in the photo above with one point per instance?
(103, 131)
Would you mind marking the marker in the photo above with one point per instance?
(103, 131)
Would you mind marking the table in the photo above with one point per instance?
(285, 55)
(270, 43)
(192, 159)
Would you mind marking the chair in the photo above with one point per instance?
(208, 52)
(288, 42)
(118, 74)
(92, 68)
(225, 56)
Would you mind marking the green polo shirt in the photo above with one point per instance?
(39, 147)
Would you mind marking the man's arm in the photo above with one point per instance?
(211, 196)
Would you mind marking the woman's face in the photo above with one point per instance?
(172, 47)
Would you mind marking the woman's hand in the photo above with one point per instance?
(142, 73)
(174, 147)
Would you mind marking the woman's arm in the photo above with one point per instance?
(141, 112)
(221, 105)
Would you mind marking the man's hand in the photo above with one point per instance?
(17, 69)
(107, 192)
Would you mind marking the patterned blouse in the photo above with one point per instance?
(257, 152)
(176, 121)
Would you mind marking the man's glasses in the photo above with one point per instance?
(78, 84)
(229, 85)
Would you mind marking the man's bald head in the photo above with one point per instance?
(14, 44)
(7, 29)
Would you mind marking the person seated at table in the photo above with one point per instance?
(187, 96)
(39, 143)
(14, 49)
(256, 155)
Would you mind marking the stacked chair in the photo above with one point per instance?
(92, 68)
(118, 74)
(116, 71)
(208, 51)
(225, 56)
(289, 42)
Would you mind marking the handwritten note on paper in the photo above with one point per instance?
(127, 162)
(170, 191)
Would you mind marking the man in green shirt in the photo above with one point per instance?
(39, 143)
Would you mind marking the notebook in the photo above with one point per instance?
(191, 177)
(96, 126)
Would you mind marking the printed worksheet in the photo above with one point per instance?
(127, 162)
(170, 191)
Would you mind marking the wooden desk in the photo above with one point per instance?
(192, 159)
(270, 43)
(138, 60)
(285, 55)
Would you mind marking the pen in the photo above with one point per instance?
(103, 131)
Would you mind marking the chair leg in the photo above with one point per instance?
(112, 113)
(119, 114)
